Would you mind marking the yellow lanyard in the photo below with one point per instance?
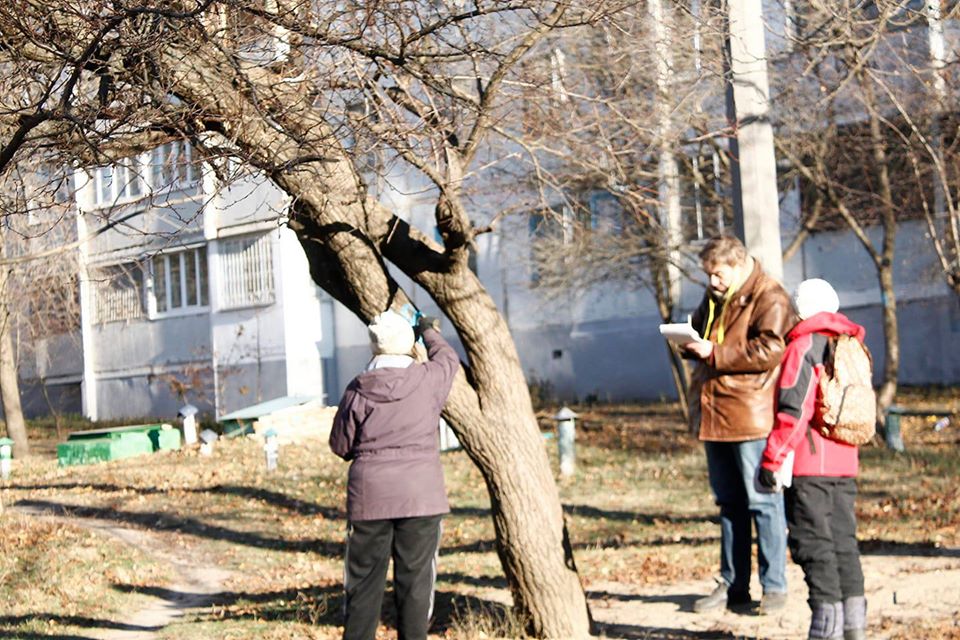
(712, 306)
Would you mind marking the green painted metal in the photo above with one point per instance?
(96, 445)
(168, 439)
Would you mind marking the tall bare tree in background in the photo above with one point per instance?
(40, 266)
(37, 108)
(622, 155)
(303, 92)
(859, 97)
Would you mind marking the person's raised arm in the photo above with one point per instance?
(442, 361)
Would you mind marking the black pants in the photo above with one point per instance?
(823, 536)
(413, 544)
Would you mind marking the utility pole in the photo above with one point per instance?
(668, 183)
(756, 207)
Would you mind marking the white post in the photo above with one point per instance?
(753, 162)
(566, 437)
(271, 449)
(669, 172)
(189, 430)
(212, 188)
(938, 62)
(85, 198)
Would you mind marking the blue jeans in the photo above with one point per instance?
(732, 467)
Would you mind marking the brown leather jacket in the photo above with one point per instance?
(732, 394)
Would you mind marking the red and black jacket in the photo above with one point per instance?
(800, 371)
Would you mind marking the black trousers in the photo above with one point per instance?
(413, 544)
(823, 536)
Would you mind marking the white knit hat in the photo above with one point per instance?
(814, 296)
(391, 334)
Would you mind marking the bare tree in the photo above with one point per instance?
(851, 95)
(304, 92)
(623, 154)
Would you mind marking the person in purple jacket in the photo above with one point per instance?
(387, 427)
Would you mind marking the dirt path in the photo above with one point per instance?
(901, 590)
(194, 585)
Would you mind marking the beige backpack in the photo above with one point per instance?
(846, 402)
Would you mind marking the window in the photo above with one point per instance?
(180, 280)
(607, 215)
(103, 181)
(255, 38)
(172, 167)
(119, 183)
(55, 183)
(705, 205)
(169, 167)
(46, 191)
(129, 179)
(550, 230)
(117, 292)
(246, 272)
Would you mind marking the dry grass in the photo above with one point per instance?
(638, 511)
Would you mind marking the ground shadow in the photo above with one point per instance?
(36, 635)
(322, 605)
(72, 621)
(586, 511)
(479, 546)
(880, 547)
(611, 542)
(635, 632)
(456, 610)
(492, 582)
(274, 498)
(316, 604)
(159, 521)
(684, 601)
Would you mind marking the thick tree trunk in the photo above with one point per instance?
(498, 429)
(891, 334)
(9, 384)
(10, 390)
(346, 237)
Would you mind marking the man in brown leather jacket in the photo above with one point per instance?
(743, 319)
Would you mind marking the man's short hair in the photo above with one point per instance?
(723, 249)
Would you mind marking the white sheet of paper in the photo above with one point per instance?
(680, 332)
(785, 474)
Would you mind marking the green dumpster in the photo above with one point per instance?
(96, 445)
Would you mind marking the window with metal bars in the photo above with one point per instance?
(117, 290)
(246, 272)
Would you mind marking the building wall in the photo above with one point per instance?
(304, 324)
(140, 365)
(249, 383)
(600, 343)
(41, 399)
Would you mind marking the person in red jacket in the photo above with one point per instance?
(820, 501)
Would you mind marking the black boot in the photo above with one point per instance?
(855, 618)
(826, 621)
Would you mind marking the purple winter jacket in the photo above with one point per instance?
(387, 425)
